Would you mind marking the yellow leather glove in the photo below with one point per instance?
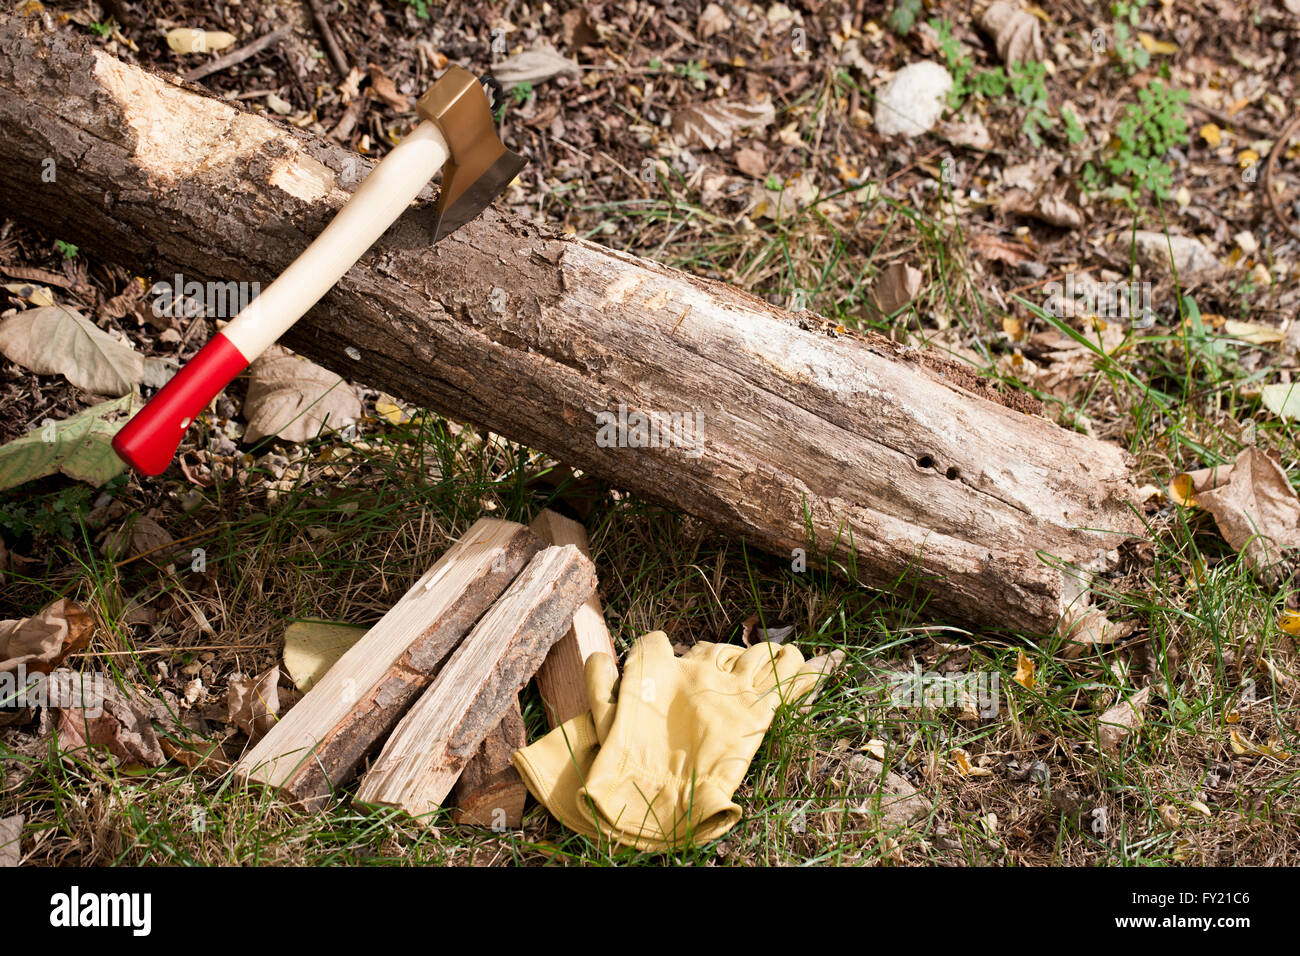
(664, 749)
(555, 768)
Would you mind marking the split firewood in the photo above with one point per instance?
(319, 744)
(561, 678)
(490, 792)
(898, 467)
(472, 693)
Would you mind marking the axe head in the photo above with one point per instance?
(480, 166)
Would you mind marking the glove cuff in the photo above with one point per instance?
(662, 813)
(554, 769)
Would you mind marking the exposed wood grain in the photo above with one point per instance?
(490, 792)
(905, 467)
(429, 748)
(561, 678)
(319, 744)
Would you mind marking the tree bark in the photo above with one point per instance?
(472, 693)
(906, 466)
(490, 792)
(318, 745)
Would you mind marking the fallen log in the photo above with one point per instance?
(319, 744)
(431, 745)
(775, 427)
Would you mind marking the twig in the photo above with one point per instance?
(237, 56)
(1267, 184)
(331, 45)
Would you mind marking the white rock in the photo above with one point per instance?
(1189, 255)
(913, 100)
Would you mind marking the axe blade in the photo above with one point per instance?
(463, 197)
(479, 167)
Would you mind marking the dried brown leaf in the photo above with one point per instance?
(1123, 719)
(1015, 33)
(1256, 510)
(253, 704)
(108, 718)
(294, 399)
(714, 125)
(40, 643)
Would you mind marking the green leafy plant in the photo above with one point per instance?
(1147, 131)
(103, 29)
(1030, 91)
(904, 16)
(55, 515)
(693, 72)
(1126, 14)
(421, 8)
(1074, 132)
(67, 249)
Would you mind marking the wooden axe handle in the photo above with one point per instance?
(149, 440)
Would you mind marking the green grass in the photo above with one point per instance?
(352, 523)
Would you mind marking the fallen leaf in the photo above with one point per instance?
(293, 399)
(312, 647)
(1024, 675)
(187, 40)
(1212, 135)
(752, 162)
(715, 124)
(1289, 621)
(41, 642)
(1253, 332)
(386, 90)
(1245, 748)
(11, 840)
(253, 704)
(79, 447)
(55, 340)
(38, 295)
(998, 250)
(139, 534)
(1016, 34)
(797, 193)
(109, 718)
(1088, 627)
(1122, 719)
(390, 411)
(1156, 47)
(1282, 399)
(1256, 510)
(1051, 209)
(533, 66)
(964, 766)
(713, 20)
(278, 104)
(897, 286)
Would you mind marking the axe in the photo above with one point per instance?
(457, 130)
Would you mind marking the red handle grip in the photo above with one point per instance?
(148, 442)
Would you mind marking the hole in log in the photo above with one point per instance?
(925, 461)
(952, 473)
